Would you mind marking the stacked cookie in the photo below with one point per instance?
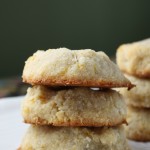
(134, 60)
(65, 112)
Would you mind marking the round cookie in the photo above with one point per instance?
(138, 124)
(64, 67)
(73, 107)
(134, 58)
(138, 96)
(67, 138)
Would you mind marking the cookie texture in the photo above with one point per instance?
(64, 138)
(138, 124)
(138, 96)
(64, 67)
(73, 107)
(134, 58)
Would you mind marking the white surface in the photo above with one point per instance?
(139, 145)
(12, 127)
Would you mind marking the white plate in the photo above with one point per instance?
(12, 127)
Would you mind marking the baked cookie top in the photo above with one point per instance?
(134, 58)
(64, 67)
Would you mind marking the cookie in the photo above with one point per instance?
(138, 96)
(134, 58)
(138, 124)
(64, 138)
(64, 67)
(73, 107)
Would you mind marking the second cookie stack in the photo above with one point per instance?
(65, 112)
(134, 60)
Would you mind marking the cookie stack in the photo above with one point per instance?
(134, 60)
(65, 112)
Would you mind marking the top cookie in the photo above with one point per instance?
(134, 58)
(64, 67)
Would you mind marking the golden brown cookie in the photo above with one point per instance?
(73, 107)
(68, 138)
(134, 58)
(138, 96)
(64, 67)
(139, 124)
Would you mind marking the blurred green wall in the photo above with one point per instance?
(26, 26)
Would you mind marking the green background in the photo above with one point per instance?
(26, 26)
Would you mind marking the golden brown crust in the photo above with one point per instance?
(145, 75)
(139, 138)
(74, 82)
(85, 123)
